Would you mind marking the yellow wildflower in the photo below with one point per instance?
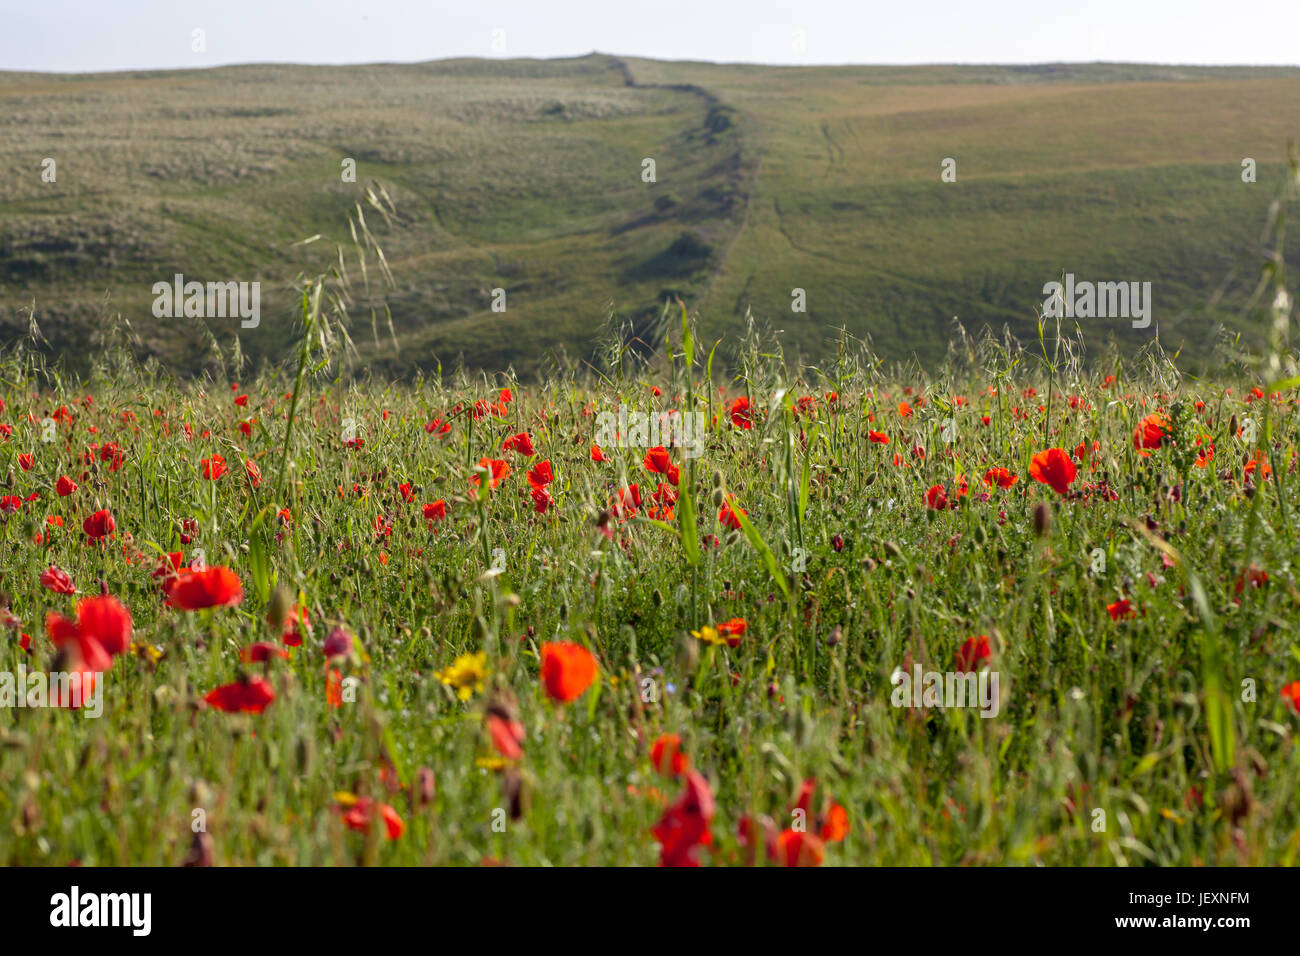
(466, 674)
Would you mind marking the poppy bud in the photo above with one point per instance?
(657, 597)
(837, 635)
(304, 750)
(426, 786)
(717, 479)
(1042, 519)
(1232, 431)
(338, 644)
(688, 655)
(200, 852)
(871, 479)
(516, 793)
(717, 497)
(564, 610)
(281, 601)
(893, 550)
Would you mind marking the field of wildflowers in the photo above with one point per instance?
(439, 623)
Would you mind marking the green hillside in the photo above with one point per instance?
(527, 176)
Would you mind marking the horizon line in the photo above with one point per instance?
(686, 61)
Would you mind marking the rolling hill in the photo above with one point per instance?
(527, 176)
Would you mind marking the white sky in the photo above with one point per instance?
(92, 35)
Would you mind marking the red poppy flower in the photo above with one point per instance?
(1151, 432)
(658, 462)
(835, 823)
(254, 473)
(733, 630)
(684, 826)
(247, 697)
(541, 499)
(1121, 608)
(1053, 467)
(567, 670)
(936, 497)
(972, 655)
(629, 500)
(799, 849)
(1000, 477)
(26, 462)
(497, 469)
(103, 628)
(1252, 576)
(168, 566)
(522, 443)
(334, 689)
(99, 525)
(597, 455)
(360, 814)
(195, 589)
(65, 486)
(507, 736)
(727, 515)
(667, 757)
(540, 475)
(1291, 692)
(435, 510)
(57, 581)
(741, 416)
(880, 438)
(261, 652)
(213, 468)
(1257, 462)
(297, 623)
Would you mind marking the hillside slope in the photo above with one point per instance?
(527, 176)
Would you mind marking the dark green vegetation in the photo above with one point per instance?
(526, 175)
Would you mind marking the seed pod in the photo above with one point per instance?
(1042, 519)
(281, 601)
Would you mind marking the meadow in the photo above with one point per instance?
(437, 623)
